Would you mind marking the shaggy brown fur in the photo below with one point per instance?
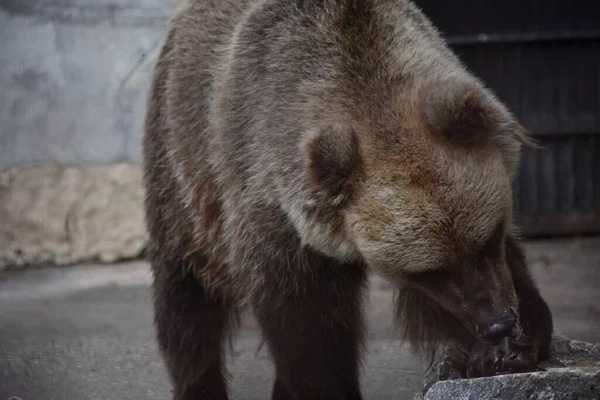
(291, 144)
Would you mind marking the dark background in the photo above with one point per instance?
(542, 58)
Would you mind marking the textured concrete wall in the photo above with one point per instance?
(74, 76)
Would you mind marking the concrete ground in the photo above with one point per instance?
(85, 332)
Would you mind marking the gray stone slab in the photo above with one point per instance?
(571, 373)
(559, 384)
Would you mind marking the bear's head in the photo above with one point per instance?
(423, 196)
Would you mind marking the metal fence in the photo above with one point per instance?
(542, 58)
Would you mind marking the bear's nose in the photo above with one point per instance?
(498, 329)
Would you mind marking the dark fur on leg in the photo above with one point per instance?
(280, 392)
(535, 317)
(191, 324)
(315, 332)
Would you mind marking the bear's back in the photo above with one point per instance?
(175, 143)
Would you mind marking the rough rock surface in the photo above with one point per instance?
(573, 372)
(57, 214)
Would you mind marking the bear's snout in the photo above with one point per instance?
(496, 330)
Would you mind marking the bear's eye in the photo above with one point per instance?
(434, 277)
(493, 246)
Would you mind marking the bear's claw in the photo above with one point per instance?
(510, 356)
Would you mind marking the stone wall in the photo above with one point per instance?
(74, 78)
(57, 214)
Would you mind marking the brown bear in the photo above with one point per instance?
(292, 145)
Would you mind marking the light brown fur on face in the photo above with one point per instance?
(428, 205)
(438, 203)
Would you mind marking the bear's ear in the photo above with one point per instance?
(333, 160)
(459, 113)
(465, 114)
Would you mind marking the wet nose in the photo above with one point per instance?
(497, 329)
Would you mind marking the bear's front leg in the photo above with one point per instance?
(313, 326)
(530, 342)
(192, 323)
